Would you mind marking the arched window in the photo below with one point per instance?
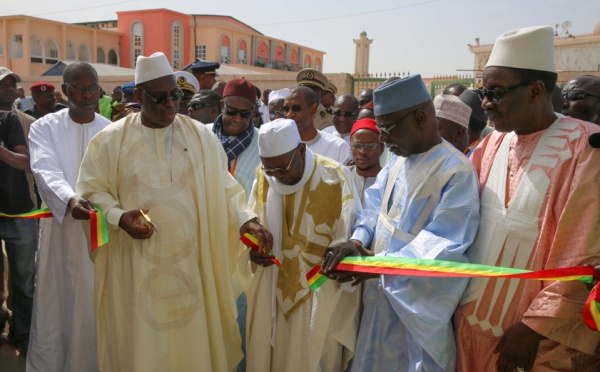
(71, 56)
(242, 52)
(318, 65)
(37, 50)
(225, 47)
(83, 53)
(294, 59)
(113, 59)
(100, 56)
(51, 52)
(279, 58)
(262, 54)
(137, 42)
(307, 61)
(176, 44)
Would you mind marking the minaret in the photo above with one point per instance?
(361, 61)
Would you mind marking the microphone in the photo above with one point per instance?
(594, 140)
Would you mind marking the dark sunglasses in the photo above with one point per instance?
(369, 145)
(272, 114)
(577, 95)
(161, 100)
(347, 114)
(233, 112)
(495, 95)
(295, 108)
(256, 114)
(199, 105)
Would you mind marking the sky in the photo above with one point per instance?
(429, 37)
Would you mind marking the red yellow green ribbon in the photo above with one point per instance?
(252, 242)
(437, 268)
(40, 213)
(98, 224)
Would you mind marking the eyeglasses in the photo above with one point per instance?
(369, 145)
(272, 114)
(256, 114)
(199, 105)
(388, 130)
(295, 108)
(347, 114)
(164, 99)
(577, 95)
(233, 112)
(80, 89)
(279, 170)
(495, 95)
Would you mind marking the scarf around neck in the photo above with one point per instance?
(233, 146)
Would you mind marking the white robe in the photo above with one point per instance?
(326, 144)
(63, 336)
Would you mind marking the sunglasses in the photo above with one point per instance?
(577, 95)
(388, 130)
(369, 145)
(233, 112)
(279, 170)
(495, 95)
(199, 105)
(272, 114)
(347, 114)
(295, 108)
(256, 114)
(161, 100)
(80, 89)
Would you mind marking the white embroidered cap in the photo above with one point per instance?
(452, 108)
(277, 138)
(529, 48)
(278, 94)
(153, 67)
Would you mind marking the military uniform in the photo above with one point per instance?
(199, 68)
(43, 87)
(317, 81)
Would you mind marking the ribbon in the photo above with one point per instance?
(252, 242)
(98, 225)
(438, 268)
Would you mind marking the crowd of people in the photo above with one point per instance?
(183, 165)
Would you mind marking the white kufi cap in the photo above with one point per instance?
(277, 138)
(530, 48)
(278, 94)
(452, 108)
(153, 67)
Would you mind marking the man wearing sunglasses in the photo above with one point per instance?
(540, 197)
(276, 100)
(205, 106)
(238, 135)
(345, 112)
(63, 331)
(170, 294)
(300, 105)
(315, 80)
(424, 204)
(582, 98)
(309, 203)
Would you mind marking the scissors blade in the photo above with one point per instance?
(149, 221)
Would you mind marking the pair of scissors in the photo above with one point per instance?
(149, 222)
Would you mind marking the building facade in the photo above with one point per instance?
(29, 46)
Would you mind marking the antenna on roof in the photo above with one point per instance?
(566, 25)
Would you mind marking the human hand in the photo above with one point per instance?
(265, 239)
(261, 259)
(130, 222)
(517, 348)
(80, 208)
(335, 254)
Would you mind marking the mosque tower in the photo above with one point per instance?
(361, 61)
